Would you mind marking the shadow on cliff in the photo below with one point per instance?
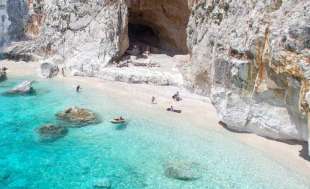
(302, 153)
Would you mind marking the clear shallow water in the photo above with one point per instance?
(132, 158)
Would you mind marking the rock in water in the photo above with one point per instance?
(49, 70)
(23, 88)
(103, 183)
(185, 171)
(51, 132)
(4, 174)
(78, 116)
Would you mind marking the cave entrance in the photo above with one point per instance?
(159, 24)
(143, 36)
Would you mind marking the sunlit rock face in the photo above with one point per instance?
(252, 58)
(87, 34)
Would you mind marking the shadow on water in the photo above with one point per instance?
(121, 126)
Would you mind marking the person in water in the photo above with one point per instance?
(78, 88)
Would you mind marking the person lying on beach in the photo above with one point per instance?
(171, 109)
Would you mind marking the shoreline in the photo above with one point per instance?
(196, 109)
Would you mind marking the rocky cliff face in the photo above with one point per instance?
(86, 35)
(4, 24)
(251, 57)
(13, 18)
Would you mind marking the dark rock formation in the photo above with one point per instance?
(51, 132)
(78, 116)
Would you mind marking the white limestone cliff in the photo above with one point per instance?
(252, 58)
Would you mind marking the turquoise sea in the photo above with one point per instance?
(131, 157)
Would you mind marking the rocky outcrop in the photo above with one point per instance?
(23, 88)
(51, 132)
(141, 75)
(252, 58)
(49, 70)
(78, 116)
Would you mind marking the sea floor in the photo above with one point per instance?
(131, 156)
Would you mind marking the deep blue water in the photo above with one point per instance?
(133, 157)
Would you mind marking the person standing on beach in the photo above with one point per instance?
(63, 72)
(154, 100)
(78, 88)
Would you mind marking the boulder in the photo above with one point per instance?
(52, 132)
(185, 171)
(103, 183)
(78, 116)
(49, 70)
(23, 88)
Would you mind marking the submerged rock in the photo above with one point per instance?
(185, 171)
(23, 88)
(49, 70)
(4, 174)
(78, 116)
(103, 183)
(52, 132)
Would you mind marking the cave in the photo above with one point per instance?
(159, 24)
(143, 35)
